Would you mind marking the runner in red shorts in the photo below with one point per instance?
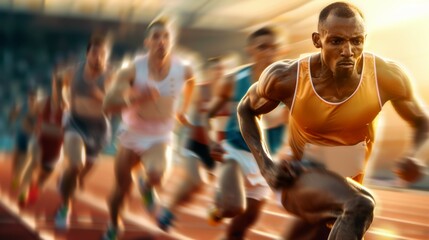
(45, 147)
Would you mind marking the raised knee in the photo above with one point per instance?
(362, 205)
(232, 208)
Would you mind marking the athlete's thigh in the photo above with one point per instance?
(231, 192)
(154, 159)
(318, 195)
(74, 148)
(254, 207)
(191, 165)
(125, 161)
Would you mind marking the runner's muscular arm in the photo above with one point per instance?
(187, 93)
(110, 75)
(56, 89)
(395, 85)
(222, 94)
(115, 98)
(272, 88)
(61, 82)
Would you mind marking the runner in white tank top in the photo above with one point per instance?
(152, 121)
(147, 93)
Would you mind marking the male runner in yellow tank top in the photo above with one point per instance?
(334, 97)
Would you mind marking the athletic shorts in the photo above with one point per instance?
(95, 133)
(255, 185)
(50, 150)
(139, 142)
(202, 152)
(152, 150)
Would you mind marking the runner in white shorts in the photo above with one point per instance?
(147, 93)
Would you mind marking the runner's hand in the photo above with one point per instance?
(183, 119)
(136, 96)
(409, 169)
(216, 151)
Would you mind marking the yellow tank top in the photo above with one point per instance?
(316, 121)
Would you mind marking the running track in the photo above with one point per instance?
(399, 215)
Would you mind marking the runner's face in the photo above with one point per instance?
(216, 71)
(341, 42)
(97, 57)
(263, 49)
(159, 41)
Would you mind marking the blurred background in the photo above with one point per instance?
(36, 35)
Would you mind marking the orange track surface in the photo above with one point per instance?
(400, 214)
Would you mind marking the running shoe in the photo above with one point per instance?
(213, 216)
(148, 196)
(112, 233)
(165, 219)
(62, 218)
